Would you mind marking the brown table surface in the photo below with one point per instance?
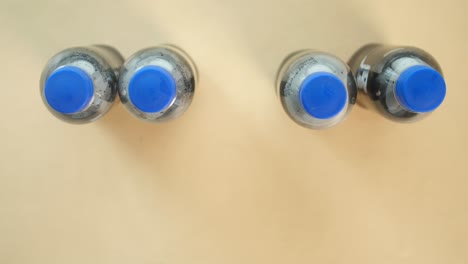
(233, 180)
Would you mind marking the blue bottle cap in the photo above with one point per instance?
(69, 90)
(323, 95)
(152, 89)
(420, 89)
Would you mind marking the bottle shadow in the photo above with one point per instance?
(79, 25)
(332, 26)
(192, 145)
(265, 37)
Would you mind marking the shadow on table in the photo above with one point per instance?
(214, 136)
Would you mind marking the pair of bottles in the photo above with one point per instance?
(79, 85)
(317, 90)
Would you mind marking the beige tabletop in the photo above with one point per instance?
(233, 180)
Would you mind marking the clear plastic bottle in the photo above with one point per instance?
(158, 84)
(317, 90)
(79, 85)
(404, 84)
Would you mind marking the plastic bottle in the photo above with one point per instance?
(317, 90)
(404, 84)
(79, 85)
(158, 84)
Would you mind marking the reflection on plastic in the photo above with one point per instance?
(317, 90)
(404, 84)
